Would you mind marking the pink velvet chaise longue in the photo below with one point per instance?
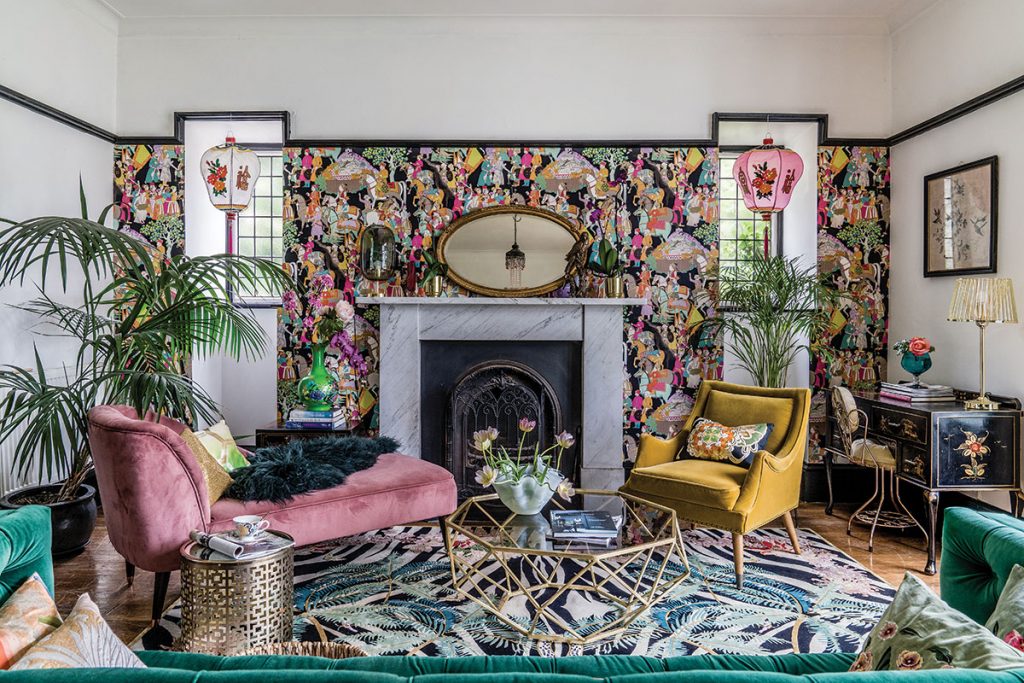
(153, 494)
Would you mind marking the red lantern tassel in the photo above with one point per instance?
(767, 228)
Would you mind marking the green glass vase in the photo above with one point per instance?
(319, 389)
(916, 365)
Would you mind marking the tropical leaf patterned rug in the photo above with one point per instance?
(389, 592)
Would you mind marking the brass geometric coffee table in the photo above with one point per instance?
(510, 563)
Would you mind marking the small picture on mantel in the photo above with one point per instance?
(960, 206)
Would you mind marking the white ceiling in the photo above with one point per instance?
(895, 13)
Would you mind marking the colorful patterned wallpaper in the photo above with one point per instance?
(853, 251)
(659, 205)
(149, 194)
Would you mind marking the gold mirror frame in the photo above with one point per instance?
(509, 209)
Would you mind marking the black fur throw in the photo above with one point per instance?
(281, 472)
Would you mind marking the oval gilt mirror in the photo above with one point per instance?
(507, 251)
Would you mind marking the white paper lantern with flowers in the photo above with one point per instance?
(230, 173)
(767, 176)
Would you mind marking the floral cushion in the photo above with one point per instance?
(28, 615)
(1007, 620)
(84, 640)
(221, 445)
(710, 440)
(920, 631)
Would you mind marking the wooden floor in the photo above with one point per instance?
(99, 570)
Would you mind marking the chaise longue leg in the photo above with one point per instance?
(129, 572)
(160, 594)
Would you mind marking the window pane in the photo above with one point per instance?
(728, 212)
(264, 246)
(728, 250)
(259, 230)
(746, 229)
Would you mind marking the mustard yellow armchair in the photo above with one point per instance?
(722, 495)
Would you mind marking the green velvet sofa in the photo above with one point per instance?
(979, 549)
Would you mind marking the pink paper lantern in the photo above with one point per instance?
(767, 176)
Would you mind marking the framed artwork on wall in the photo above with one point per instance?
(960, 212)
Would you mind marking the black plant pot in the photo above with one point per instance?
(72, 521)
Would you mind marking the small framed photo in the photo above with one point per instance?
(960, 211)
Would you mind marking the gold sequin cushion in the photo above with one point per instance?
(83, 641)
(217, 479)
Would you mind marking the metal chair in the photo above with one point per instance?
(860, 450)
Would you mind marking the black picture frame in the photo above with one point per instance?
(985, 224)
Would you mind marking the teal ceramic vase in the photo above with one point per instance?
(528, 496)
(319, 389)
(916, 365)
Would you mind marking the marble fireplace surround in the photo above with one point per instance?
(597, 323)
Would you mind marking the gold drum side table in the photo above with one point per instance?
(229, 606)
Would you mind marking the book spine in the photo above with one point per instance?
(895, 396)
(315, 416)
(306, 424)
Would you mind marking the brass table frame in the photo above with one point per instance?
(600, 572)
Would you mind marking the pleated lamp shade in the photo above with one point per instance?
(983, 299)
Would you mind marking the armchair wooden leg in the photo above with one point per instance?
(791, 530)
(129, 572)
(737, 558)
(160, 594)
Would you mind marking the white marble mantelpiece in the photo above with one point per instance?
(597, 323)
(487, 301)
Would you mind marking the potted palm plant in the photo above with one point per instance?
(766, 308)
(141, 316)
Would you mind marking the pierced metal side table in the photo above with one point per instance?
(229, 606)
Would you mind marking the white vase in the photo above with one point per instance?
(528, 496)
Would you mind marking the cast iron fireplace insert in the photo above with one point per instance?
(468, 386)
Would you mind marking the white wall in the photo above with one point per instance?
(63, 53)
(246, 389)
(550, 77)
(953, 51)
(799, 218)
(918, 305)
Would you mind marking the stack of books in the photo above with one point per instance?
(572, 528)
(226, 546)
(317, 419)
(922, 393)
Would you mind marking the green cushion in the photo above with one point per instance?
(920, 631)
(735, 410)
(1009, 612)
(979, 549)
(24, 548)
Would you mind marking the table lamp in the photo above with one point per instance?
(982, 301)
